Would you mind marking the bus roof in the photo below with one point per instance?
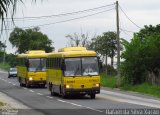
(72, 52)
(33, 54)
(72, 49)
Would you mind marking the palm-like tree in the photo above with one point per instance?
(7, 6)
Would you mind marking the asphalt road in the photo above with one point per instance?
(39, 99)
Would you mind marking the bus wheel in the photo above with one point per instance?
(20, 82)
(52, 91)
(64, 95)
(93, 96)
(27, 84)
(50, 87)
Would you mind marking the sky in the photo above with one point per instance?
(141, 12)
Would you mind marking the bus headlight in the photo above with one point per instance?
(30, 78)
(96, 85)
(68, 86)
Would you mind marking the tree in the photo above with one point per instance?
(78, 40)
(141, 56)
(105, 45)
(2, 46)
(30, 39)
(8, 7)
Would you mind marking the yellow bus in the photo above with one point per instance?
(73, 70)
(31, 68)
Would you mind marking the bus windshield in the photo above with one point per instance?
(84, 66)
(38, 64)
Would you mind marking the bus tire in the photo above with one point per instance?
(27, 84)
(93, 96)
(52, 91)
(63, 94)
(20, 82)
(50, 87)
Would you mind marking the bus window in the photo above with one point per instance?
(90, 66)
(37, 65)
(73, 67)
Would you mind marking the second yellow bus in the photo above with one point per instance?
(31, 68)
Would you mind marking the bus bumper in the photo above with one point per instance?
(82, 91)
(37, 82)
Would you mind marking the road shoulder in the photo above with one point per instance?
(130, 93)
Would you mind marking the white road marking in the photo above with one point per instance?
(76, 104)
(24, 88)
(93, 109)
(130, 99)
(49, 97)
(9, 82)
(13, 84)
(31, 90)
(69, 102)
(39, 93)
(61, 100)
(79, 105)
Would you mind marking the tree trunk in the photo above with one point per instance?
(106, 60)
(153, 78)
(112, 61)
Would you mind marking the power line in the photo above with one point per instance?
(127, 30)
(65, 20)
(129, 18)
(64, 14)
(126, 33)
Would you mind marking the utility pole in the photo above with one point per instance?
(118, 46)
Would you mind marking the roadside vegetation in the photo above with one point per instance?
(144, 88)
(5, 66)
(108, 80)
(10, 61)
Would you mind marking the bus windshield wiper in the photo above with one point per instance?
(76, 71)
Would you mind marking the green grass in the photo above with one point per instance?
(4, 66)
(108, 80)
(144, 88)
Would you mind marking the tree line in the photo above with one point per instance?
(141, 55)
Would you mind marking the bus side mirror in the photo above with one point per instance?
(63, 66)
(27, 63)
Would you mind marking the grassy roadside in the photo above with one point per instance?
(108, 81)
(4, 66)
(145, 88)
